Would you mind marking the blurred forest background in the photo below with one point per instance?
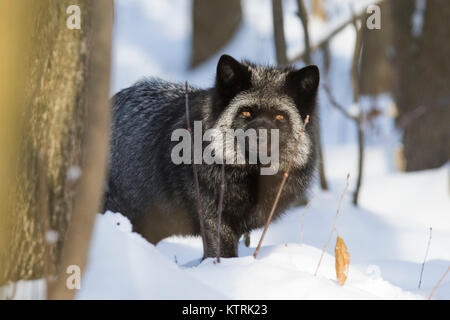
(55, 89)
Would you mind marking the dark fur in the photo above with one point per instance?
(159, 197)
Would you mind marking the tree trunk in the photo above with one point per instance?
(278, 32)
(376, 72)
(94, 148)
(12, 14)
(54, 117)
(214, 24)
(303, 15)
(421, 81)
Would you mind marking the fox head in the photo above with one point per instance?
(258, 99)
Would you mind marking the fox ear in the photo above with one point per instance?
(232, 76)
(304, 83)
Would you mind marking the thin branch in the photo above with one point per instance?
(303, 15)
(438, 284)
(359, 118)
(324, 42)
(320, 44)
(365, 118)
(356, 58)
(334, 225)
(359, 124)
(337, 105)
(425, 258)
(194, 169)
(360, 162)
(303, 218)
(219, 210)
(277, 198)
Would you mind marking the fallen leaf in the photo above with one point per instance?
(342, 261)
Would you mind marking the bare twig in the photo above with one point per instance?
(337, 105)
(324, 42)
(359, 124)
(303, 14)
(356, 58)
(303, 218)
(425, 258)
(438, 284)
(334, 225)
(194, 169)
(219, 210)
(359, 118)
(277, 198)
(278, 30)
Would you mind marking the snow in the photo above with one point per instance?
(386, 238)
(24, 290)
(387, 235)
(123, 265)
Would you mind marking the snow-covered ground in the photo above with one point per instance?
(386, 235)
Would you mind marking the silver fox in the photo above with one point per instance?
(158, 195)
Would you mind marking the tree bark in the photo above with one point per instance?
(303, 15)
(376, 72)
(95, 146)
(57, 90)
(278, 32)
(12, 76)
(356, 91)
(214, 24)
(421, 81)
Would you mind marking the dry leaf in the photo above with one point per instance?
(342, 260)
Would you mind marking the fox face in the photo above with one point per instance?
(268, 106)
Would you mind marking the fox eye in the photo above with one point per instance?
(246, 114)
(279, 117)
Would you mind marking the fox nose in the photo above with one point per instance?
(263, 124)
